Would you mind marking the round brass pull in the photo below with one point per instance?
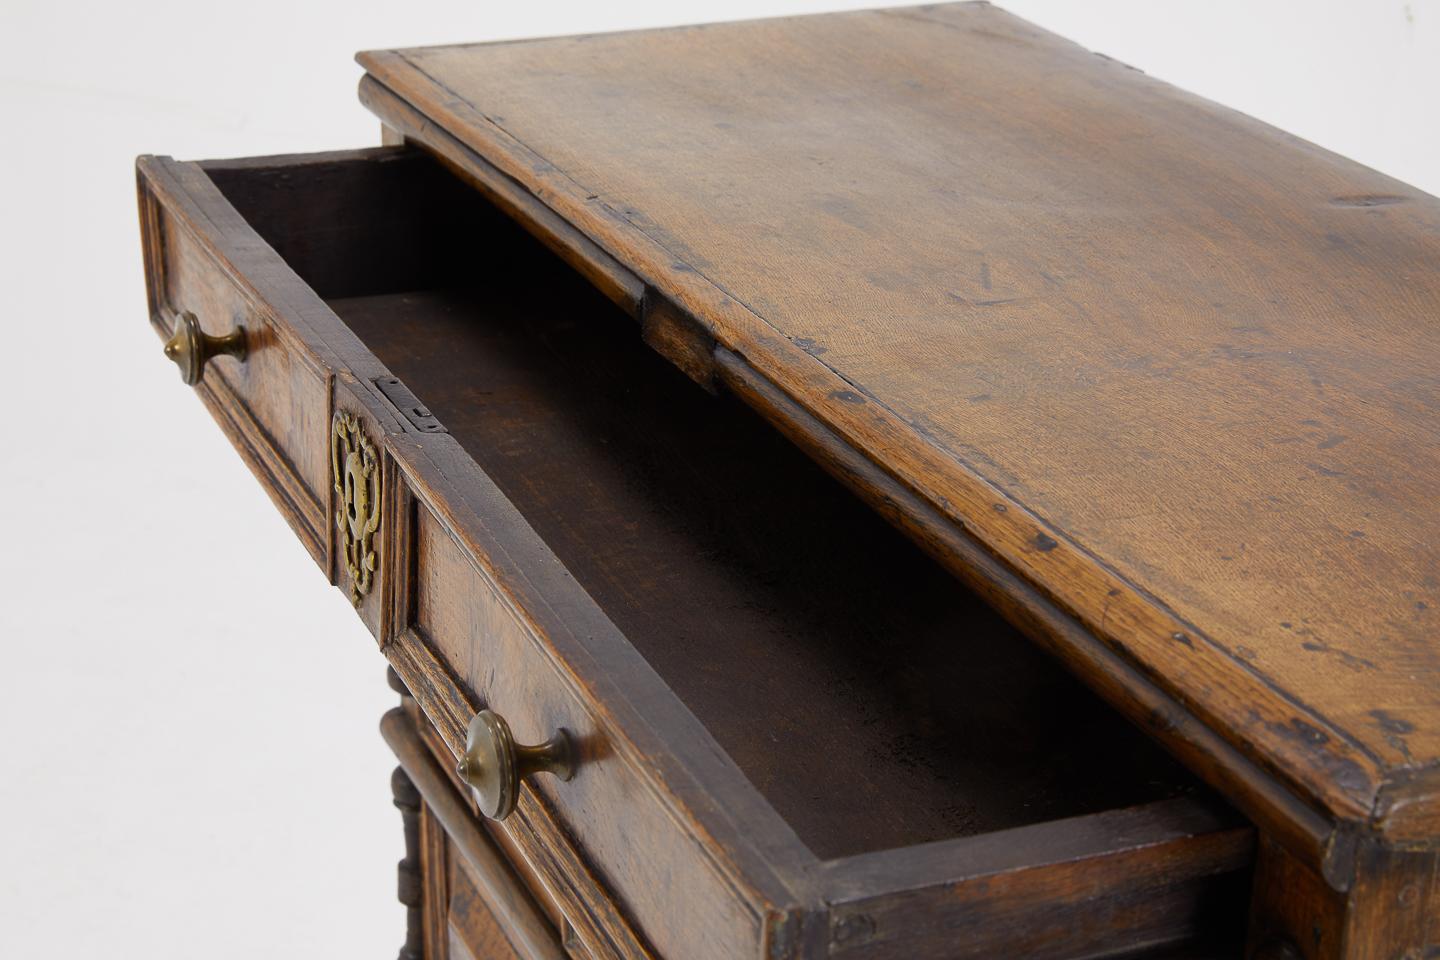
(191, 348)
(494, 764)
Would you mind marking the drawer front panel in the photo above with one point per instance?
(275, 403)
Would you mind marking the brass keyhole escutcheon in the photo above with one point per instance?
(191, 348)
(494, 764)
(355, 472)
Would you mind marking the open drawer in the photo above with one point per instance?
(796, 735)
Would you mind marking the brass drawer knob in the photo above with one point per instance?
(494, 764)
(191, 348)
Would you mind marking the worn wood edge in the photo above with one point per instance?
(528, 929)
(1050, 913)
(302, 161)
(736, 325)
(1340, 776)
(152, 252)
(1407, 811)
(1130, 853)
(603, 271)
(1073, 839)
(1259, 795)
(750, 847)
(364, 56)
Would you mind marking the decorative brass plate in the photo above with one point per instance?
(355, 468)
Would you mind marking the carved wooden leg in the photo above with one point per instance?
(411, 887)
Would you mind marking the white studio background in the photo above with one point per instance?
(190, 759)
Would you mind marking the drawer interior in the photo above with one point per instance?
(872, 699)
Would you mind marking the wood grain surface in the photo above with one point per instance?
(1175, 368)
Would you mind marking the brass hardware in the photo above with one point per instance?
(355, 469)
(494, 764)
(191, 348)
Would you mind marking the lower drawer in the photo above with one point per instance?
(794, 736)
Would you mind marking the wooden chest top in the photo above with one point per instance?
(1176, 369)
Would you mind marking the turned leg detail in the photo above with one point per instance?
(411, 884)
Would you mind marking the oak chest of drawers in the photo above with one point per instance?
(877, 485)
